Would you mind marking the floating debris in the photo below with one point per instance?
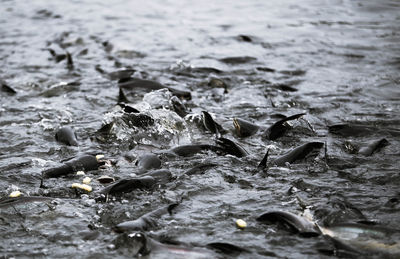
(98, 157)
(86, 180)
(15, 194)
(80, 173)
(85, 187)
(240, 223)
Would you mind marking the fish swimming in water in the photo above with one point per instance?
(280, 127)
(244, 128)
(80, 163)
(298, 153)
(295, 223)
(132, 82)
(146, 221)
(67, 136)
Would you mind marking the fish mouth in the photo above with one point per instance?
(236, 125)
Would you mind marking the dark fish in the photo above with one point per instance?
(297, 72)
(128, 185)
(298, 153)
(146, 221)
(285, 87)
(200, 168)
(89, 234)
(341, 249)
(245, 38)
(266, 69)
(364, 239)
(162, 176)
(280, 127)
(118, 74)
(339, 211)
(6, 88)
(141, 245)
(244, 128)
(57, 57)
(190, 150)
(237, 60)
(230, 147)
(107, 46)
(148, 161)
(227, 248)
(81, 163)
(206, 70)
(210, 124)
(263, 163)
(103, 133)
(352, 130)
(121, 74)
(7, 202)
(67, 136)
(70, 63)
(373, 146)
(127, 108)
(178, 106)
(218, 83)
(57, 89)
(131, 83)
(122, 97)
(295, 223)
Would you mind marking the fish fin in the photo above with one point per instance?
(263, 163)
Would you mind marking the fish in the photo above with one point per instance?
(146, 221)
(373, 147)
(200, 168)
(162, 176)
(132, 82)
(285, 87)
(298, 153)
(139, 244)
(127, 108)
(192, 149)
(116, 75)
(263, 163)
(128, 185)
(67, 136)
(279, 128)
(148, 161)
(244, 128)
(210, 124)
(244, 38)
(122, 97)
(227, 248)
(178, 106)
(80, 163)
(237, 60)
(360, 130)
(296, 224)
(70, 63)
(8, 202)
(230, 147)
(364, 239)
(6, 88)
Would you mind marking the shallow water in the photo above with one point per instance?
(343, 58)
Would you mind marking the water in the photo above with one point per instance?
(342, 56)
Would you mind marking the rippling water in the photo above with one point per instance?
(343, 58)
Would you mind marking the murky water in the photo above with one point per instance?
(342, 57)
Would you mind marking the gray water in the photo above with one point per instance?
(342, 56)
